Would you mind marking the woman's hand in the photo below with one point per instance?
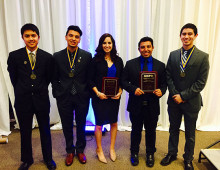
(117, 96)
(101, 96)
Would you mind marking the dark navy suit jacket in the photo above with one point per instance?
(62, 83)
(28, 91)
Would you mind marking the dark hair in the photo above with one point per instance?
(189, 25)
(144, 39)
(100, 53)
(29, 26)
(74, 28)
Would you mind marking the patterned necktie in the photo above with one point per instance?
(32, 58)
(184, 57)
(183, 62)
(73, 89)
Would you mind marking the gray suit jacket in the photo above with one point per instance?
(190, 86)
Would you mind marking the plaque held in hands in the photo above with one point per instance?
(148, 81)
(110, 86)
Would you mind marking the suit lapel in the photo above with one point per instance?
(138, 64)
(192, 59)
(26, 59)
(64, 61)
(177, 60)
(38, 58)
(154, 65)
(79, 59)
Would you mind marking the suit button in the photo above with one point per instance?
(32, 85)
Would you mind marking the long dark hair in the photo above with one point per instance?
(100, 53)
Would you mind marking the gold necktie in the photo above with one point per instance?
(32, 57)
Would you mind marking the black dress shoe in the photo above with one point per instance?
(134, 159)
(150, 160)
(51, 165)
(168, 159)
(188, 165)
(25, 166)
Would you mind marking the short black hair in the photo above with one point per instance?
(74, 28)
(29, 26)
(189, 25)
(144, 39)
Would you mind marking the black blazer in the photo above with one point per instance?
(130, 82)
(27, 90)
(190, 86)
(99, 69)
(62, 83)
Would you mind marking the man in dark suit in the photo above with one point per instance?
(70, 88)
(143, 107)
(30, 70)
(187, 73)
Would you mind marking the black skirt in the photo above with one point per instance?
(105, 111)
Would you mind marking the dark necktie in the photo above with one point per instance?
(145, 65)
(73, 89)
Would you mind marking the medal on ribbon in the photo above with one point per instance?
(71, 74)
(33, 76)
(183, 64)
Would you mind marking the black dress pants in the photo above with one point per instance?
(148, 118)
(25, 122)
(67, 104)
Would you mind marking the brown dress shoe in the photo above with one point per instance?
(82, 158)
(69, 159)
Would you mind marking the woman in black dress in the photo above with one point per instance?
(106, 63)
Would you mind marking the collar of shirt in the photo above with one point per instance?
(149, 63)
(73, 53)
(34, 52)
(149, 59)
(188, 51)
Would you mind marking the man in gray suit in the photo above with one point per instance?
(187, 73)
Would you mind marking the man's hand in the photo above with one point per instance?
(138, 92)
(177, 98)
(157, 92)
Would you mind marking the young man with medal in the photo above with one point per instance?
(70, 88)
(144, 106)
(30, 70)
(187, 73)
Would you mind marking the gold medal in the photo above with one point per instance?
(182, 74)
(71, 74)
(33, 76)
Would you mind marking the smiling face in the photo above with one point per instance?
(146, 49)
(73, 39)
(187, 37)
(107, 45)
(31, 39)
